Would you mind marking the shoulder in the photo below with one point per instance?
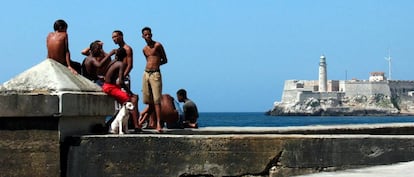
(189, 103)
(158, 44)
(127, 47)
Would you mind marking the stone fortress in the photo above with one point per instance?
(376, 96)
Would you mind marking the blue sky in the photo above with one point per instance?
(230, 55)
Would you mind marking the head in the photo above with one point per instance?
(129, 106)
(118, 37)
(95, 48)
(60, 25)
(120, 54)
(99, 41)
(146, 34)
(181, 95)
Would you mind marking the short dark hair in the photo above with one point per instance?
(119, 32)
(94, 48)
(60, 24)
(182, 93)
(145, 29)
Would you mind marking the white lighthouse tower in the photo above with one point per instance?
(322, 74)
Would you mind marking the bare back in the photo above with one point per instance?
(57, 46)
(115, 72)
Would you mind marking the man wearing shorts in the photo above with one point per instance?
(152, 81)
(113, 86)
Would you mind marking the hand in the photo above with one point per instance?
(113, 51)
(72, 70)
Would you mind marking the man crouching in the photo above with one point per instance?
(113, 87)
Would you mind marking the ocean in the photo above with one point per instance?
(259, 119)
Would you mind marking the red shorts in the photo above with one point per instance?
(116, 92)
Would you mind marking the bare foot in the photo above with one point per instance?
(159, 129)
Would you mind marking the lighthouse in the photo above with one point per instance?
(322, 74)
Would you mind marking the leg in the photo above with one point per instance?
(121, 126)
(134, 112)
(144, 115)
(158, 115)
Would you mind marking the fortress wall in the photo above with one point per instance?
(306, 95)
(333, 85)
(290, 96)
(401, 88)
(308, 85)
(367, 88)
(294, 87)
(320, 95)
(290, 84)
(331, 95)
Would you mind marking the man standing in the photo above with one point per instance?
(118, 38)
(58, 46)
(152, 83)
(189, 108)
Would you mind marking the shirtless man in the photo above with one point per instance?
(113, 87)
(87, 52)
(152, 83)
(95, 65)
(58, 46)
(118, 38)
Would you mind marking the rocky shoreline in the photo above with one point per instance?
(375, 105)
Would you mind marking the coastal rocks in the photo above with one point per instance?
(359, 105)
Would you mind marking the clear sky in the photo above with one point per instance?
(230, 55)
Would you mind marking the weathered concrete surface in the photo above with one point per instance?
(48, 77)
(234, 152)
(39, 109)
(29, 147)
(403, 169)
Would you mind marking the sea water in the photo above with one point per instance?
(259, 119)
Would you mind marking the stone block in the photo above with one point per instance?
(86, 104)
(30, 105)
(29, 150)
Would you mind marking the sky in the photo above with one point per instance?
(230, 55)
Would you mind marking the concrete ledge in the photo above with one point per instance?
(86, 104)
(372, 129)
(240, 153)
(29, 105)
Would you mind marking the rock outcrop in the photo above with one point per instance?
(359, 105)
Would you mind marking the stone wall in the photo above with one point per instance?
(29, 147)
(239, 152)
(354, 88)
(39, 109)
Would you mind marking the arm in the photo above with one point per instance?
(164, 59)
(120, 78)
(85, 51)
(129, 61)
(68, 54)
(47, 45)
(100, 63)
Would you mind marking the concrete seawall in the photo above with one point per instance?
(240, 151)
(50, 120)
